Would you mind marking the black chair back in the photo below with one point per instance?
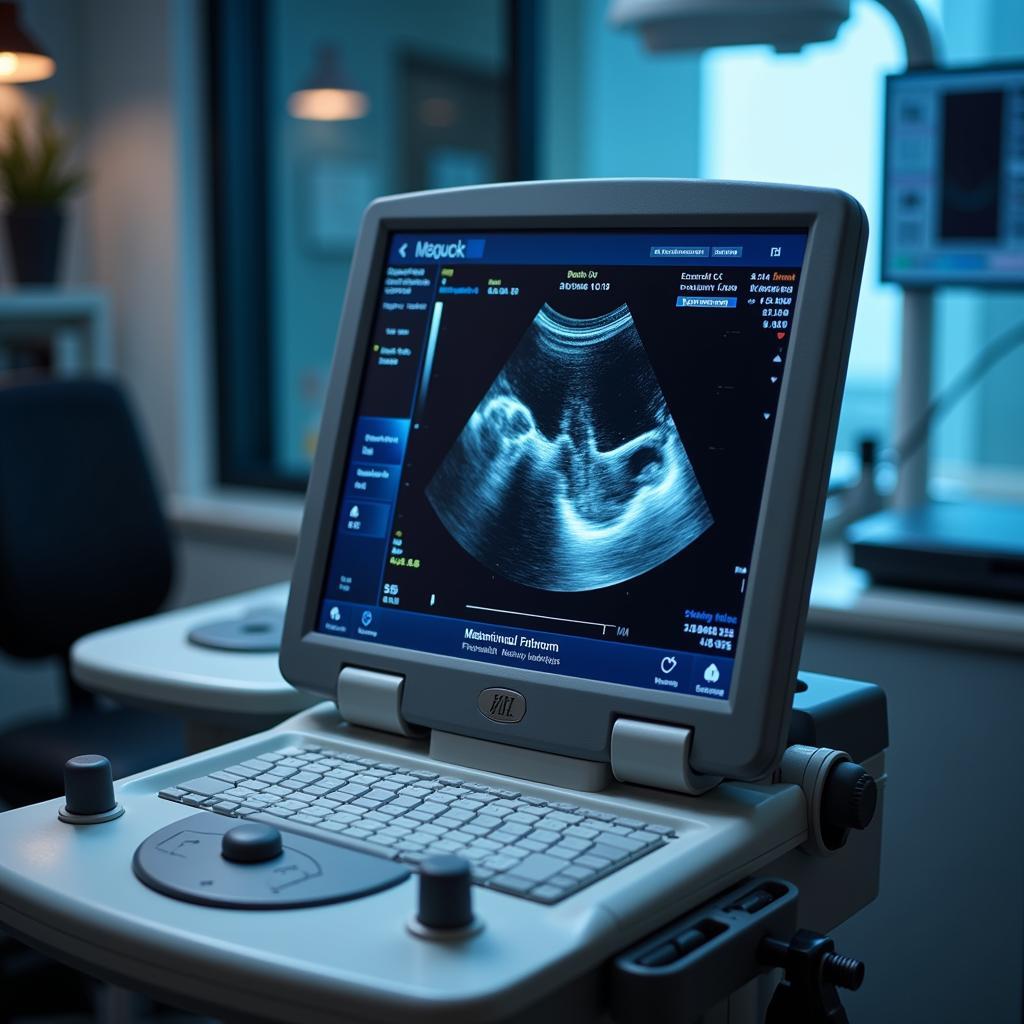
(83, 540)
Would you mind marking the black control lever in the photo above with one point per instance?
(678, 973)
(814, 970)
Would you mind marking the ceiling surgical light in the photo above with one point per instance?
(787, 25)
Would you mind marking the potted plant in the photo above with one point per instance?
(37, 178)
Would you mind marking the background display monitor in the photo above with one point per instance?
(559, 449)
(954, 178)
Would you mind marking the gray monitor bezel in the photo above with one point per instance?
(741, 737)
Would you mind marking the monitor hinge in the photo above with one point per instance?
(373, 700)
(658, 755)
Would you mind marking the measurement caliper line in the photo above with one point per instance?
(534, 615)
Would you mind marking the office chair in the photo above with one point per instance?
(83, 545)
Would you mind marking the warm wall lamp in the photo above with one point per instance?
(328, 95)
(22, 59)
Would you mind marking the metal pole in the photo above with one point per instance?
(920, 39)
(913, 392)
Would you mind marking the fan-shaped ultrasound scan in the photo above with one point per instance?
(570, 474)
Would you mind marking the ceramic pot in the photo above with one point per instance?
(33, 235)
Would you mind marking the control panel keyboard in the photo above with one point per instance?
(537, 849)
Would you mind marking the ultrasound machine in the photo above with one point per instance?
(551, 583)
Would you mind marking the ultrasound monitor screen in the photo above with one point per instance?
(954, 178)
(560, 447)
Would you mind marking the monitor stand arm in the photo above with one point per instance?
(520, 762)
(923, 45)
(642, 753)
(373, 700)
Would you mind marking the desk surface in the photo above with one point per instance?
(843, 600)
(152, 660)
(71, 888)
(47, 302)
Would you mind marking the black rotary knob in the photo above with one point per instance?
(445, 900)
(88, 786)
(251, 843)
(850, 798)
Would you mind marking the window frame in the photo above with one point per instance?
(241, 232)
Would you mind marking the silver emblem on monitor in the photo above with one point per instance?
(500, 705)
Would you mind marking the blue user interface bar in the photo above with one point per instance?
(704, 302)
(703, 675)
(713, 248)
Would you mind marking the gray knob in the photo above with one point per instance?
(445, 901)
(251, 843)
(88, 785)
(850, 798)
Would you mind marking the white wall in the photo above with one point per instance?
(608, 108)
(56, 25)
(129, 86)
(944, 942)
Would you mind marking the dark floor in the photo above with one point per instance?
(37, 990)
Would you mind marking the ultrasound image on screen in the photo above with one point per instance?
(570, 474)
(558, 454)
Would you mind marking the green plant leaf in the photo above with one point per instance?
(39, 172)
